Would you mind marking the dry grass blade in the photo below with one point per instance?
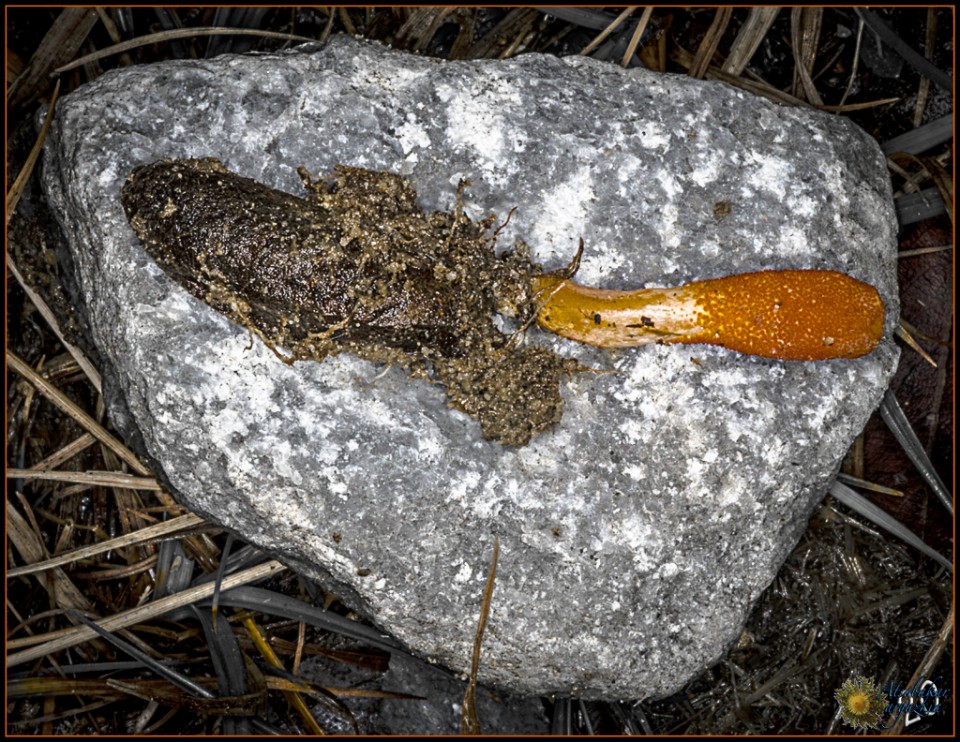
(167, 529)
(850, 107)
(921, 139)
(234, 671)
(904, 334)
(853, 462)
(91, 478)
(587, 717)
(561, 722)
(374, 660)
(789, 670)
(928, 664)
(685, 59)
(345, 20)
(466, 19)
(283, 684)
(928, 167)
(589, 48)
(53, 686)
(756, 27)
(16, 190)
(75, 711)
(942, 180)
(886, 521)
(516, 23)
(244, 705)
(708, 47)
(915, 207)
(595, 20)
(128, 500)
(59, 44)
(909, 181)
(293, 697)
(917, 61)
(27, 543)
(654, 54)
(88, 368)
(301, 645)
(277, 604)
(923, 251)
(159, 691)
(181, 681)
(185, 33)
(805, 35)
(69, 407)
(853, 67)
(327, 27)
(469, 723)
(922, 335)
(118, 573)
(923, 91)
(421, 27)
(892, 414)
(864, 484)
(637, 34)
(114, 33)
(56, 641)
(65, 454)
(289, 683)
(525, 34)
(635, 723)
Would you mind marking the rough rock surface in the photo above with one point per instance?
(635, 536)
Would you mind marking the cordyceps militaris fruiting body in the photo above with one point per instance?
(356, 266)
(790, 315)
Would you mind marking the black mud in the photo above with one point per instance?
(355, 266)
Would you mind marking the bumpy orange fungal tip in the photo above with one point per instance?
(791, 315)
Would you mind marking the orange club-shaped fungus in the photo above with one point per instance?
(790, 315)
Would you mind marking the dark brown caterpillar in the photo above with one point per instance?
(354, 266)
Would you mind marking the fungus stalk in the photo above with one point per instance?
(790, 315)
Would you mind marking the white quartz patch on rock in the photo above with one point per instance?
(635, 536)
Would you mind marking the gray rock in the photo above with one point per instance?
(442, 708)
(437, 711)
(636, 535)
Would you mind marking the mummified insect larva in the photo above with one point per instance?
(356, 266)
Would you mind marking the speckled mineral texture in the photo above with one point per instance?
(634, 536)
